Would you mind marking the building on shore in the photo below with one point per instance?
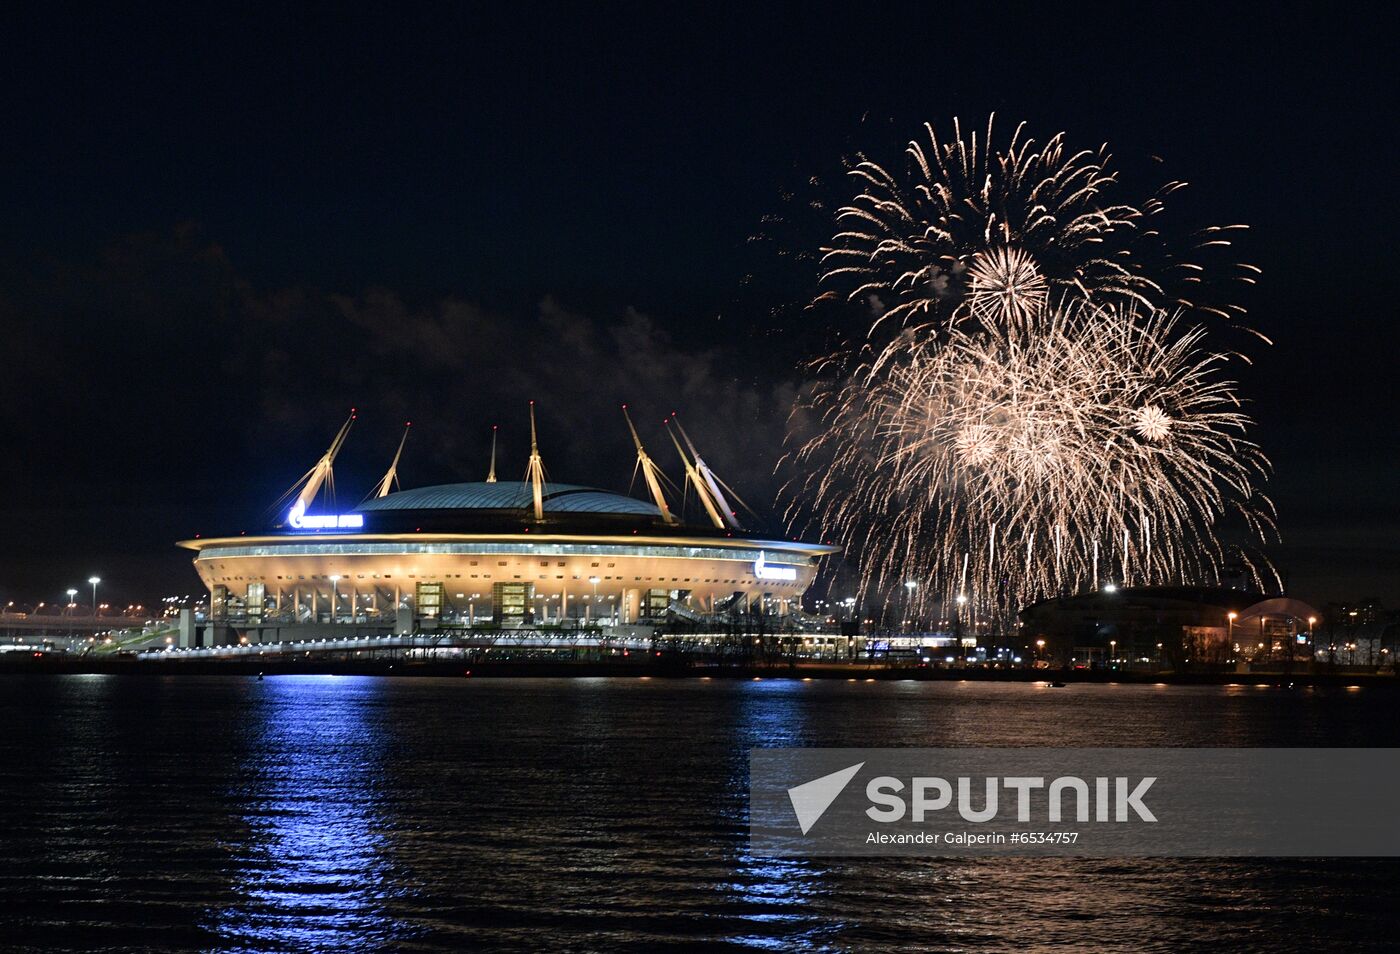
(1171, 625)
(506, 554)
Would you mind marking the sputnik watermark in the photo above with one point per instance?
(1074, 801)
(1112, 799)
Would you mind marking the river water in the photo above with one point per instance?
(307, 813)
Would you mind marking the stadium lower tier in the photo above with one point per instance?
(509, 579)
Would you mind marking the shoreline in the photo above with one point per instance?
(675, 669)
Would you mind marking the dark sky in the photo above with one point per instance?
(221, 228)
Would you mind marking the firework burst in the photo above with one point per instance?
(1091, 444)
(1039, 418)
(974, 229)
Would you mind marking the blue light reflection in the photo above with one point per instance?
(312, 875)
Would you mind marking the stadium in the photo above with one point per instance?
(505, 554)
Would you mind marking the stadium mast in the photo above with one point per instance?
(391, 478)
(323, 473)
(649, 471)
(534, 471)
(708, 485)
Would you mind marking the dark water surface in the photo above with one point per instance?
(361, 813)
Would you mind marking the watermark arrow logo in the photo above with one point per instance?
(810, 800)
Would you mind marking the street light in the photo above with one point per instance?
(911, 586)
(72, 596)
(94, 580)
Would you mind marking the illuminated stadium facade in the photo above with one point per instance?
(509, 554)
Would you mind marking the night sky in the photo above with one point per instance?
(222, 229)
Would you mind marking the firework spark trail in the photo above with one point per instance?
(998, 464)
(977, 230)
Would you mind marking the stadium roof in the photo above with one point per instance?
(558, 498)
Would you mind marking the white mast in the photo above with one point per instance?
(391, 478)
(312, 480)
(711, 481)
(649, 471)
(491, 474)
(693, 478)
(534, 471)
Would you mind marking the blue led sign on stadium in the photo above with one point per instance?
(298, 519)
(763, 571)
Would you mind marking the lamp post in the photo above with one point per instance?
(72, 609)
(910, 586)
(94, 580)
(1112, 651)
(1230, 627)
(588, 611)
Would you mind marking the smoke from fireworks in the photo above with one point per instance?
(1036, 422)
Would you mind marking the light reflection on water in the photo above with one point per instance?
(311, 873)
(336, 813)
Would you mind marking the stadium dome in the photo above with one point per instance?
(558, 499)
